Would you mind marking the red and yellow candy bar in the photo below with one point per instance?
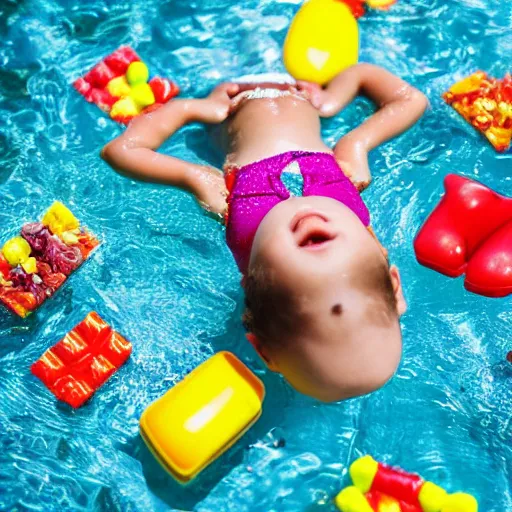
(486, 104)
(119, 86)
(381, 488)
(82, 361)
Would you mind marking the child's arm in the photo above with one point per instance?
(134, 154)
(400, 106)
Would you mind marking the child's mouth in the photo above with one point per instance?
(311, 230)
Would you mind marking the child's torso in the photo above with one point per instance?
(265, 127)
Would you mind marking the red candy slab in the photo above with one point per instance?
(93, 86)
(470, 231)
(82, 361)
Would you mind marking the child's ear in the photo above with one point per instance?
(262, 352)
(401, 305)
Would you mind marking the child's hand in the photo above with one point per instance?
(215, 108)
(320, 98)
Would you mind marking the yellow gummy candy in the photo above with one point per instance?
(460, 502)
(69, 238)
(142, 95)
(351, 499)
(137, 73)
(380, 4)
(323, 40)
(125, 107)
(431, 497)
(30, 266)
(363, 471)
(16, 250)
(59, 218)
(119, 87)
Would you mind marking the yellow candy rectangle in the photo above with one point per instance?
(203, 415)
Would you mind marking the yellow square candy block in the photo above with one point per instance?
(203, 415)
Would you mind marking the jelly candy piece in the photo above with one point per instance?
(163, 89)
(30, 265)
(59, 218)
(137, 73)
(125, 108)
(100, 75)
(119, 87)
(16, 250)
(119, 60)
(69, 238)
(142, 95)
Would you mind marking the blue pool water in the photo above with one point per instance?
(165, 279)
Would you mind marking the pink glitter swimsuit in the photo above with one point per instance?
(256, 188)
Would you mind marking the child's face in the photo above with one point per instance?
(319, 250)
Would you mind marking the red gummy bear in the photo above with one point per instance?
(82, 361)
(470, 231)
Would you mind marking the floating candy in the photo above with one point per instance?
(142, 95)
(323, 38)
(381, 488)
(137, 73)
(202, 416)
(59, 219)
(470, 231)
(16, 251)
(34, 265)
(119, 86)
(380, 4)
(485, 103)
(82, 361)
(322, 41)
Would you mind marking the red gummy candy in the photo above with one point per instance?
(163, 89)
(100, 75)
(470, 231)
(5, 268)
(80, 363)
(119, 60)
(102, 98)
(82, 86)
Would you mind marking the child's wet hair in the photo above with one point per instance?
(270, 310)
(272, 314)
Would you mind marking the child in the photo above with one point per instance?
(323, 304)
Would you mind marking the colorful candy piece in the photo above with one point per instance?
(59, 219)
(163, 89)
(380, 4)
(470, 231)
(119, 86)
(137, 73)
(381, 488)
(34, 265)
(322, 41)
(202, 416)
(79, 364)
(16, 251)
(485, 103)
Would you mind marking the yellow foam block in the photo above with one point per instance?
(202, 416)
